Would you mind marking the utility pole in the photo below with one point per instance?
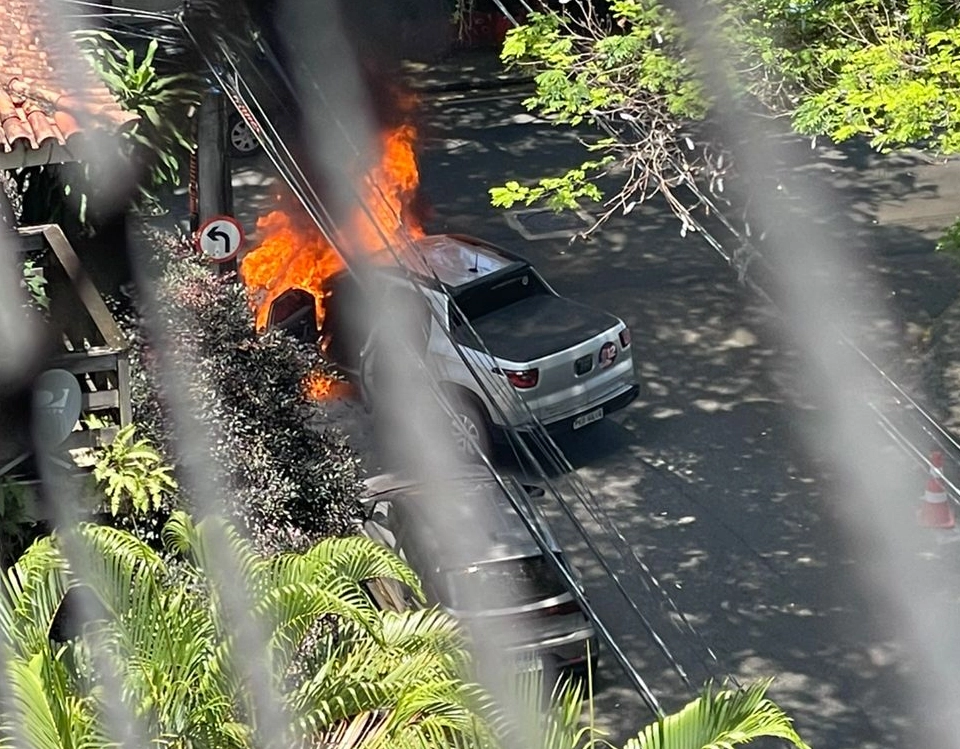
(214, 187)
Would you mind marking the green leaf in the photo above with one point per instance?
(30, 716)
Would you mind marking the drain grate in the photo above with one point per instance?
(544, 223)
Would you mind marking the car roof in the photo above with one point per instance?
(455, 260)
(466, 520)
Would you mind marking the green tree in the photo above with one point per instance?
(886, 70)
(165, 103)
(631, 74)
(158, 656)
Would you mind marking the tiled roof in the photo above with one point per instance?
(48, 94)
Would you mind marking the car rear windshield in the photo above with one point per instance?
(498, 292)
(504, 584)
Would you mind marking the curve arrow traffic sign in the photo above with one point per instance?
(220, 238)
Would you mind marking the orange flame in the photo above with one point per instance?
(293, 254)
(392, 187)
(318, 385)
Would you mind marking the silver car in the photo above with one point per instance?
(477, 560)
(570, 364)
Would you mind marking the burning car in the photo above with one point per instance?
(570, 365)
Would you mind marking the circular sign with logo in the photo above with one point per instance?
(56, 406)
(608, 354)
(220, 238)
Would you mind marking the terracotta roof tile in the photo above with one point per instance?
(47, 92)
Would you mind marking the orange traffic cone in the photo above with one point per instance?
(936, 512)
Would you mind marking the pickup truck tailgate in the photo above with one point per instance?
(537, 327)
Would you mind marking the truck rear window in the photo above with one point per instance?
(498, 292)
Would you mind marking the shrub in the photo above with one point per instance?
(285, 482)
(132, 474)
(162, 138)
(949, 242)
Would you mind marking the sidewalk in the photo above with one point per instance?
(463, 70)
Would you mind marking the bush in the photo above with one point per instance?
(131, 474)
(949, 242)
(286, 483)
(161, 139)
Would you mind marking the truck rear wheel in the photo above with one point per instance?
(469, 430)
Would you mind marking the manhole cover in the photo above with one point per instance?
(544, 223)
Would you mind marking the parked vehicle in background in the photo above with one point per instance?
(240, 136)
(570, 364)
(478, 560)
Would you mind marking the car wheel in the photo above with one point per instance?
(242, 140)
(469, 430)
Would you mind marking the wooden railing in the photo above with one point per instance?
(94, 348)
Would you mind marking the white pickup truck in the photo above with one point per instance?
(570, 364)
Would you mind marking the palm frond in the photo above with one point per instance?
(323, 703)
(169, 654)
(116, 565)
(30, 595)
(355, 557)
(295, 609)
(439, 713)
(28, 717)
(422, 626)
(214, 544)
(521, 716)
(721, 720)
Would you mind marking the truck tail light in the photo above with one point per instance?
(523, 379)
(561, 609)
(624, 337)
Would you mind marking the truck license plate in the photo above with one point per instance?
(525, 663)
(588, 418)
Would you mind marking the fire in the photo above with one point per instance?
(318, 385)
(392, 187)
(293, 254)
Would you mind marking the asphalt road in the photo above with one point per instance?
(749, 506)
(786, 539)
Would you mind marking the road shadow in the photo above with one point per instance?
(721, 478)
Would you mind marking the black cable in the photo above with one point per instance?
(314, 207)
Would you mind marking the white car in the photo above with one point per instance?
(570, 364)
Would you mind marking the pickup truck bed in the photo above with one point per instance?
(536, 327)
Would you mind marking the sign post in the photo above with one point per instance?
(220, 238)
(214, 184)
